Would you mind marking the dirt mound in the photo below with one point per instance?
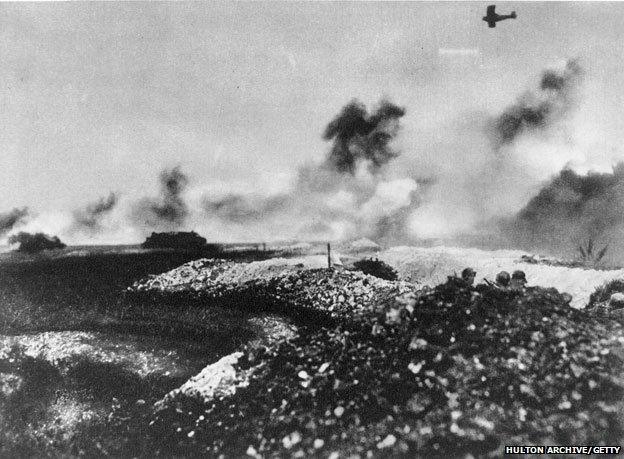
(303, 294)
(209, 275)
(384, 369)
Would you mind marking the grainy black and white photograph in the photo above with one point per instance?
(311, 229)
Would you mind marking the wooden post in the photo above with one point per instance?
(264, 246)
(328, 255)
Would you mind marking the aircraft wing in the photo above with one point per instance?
(490, 10)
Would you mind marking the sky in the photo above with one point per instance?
(100, 97)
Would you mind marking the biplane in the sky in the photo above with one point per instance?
(492, 18)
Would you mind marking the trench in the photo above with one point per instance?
(80, 367)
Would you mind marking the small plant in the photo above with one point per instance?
(587, 255)
(376, 268)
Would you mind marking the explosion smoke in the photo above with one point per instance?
(457, 181)
(570, 209)
(89, 217)
(11, 218)
(359, 136)
(481, 168)
(534, 111)
(169, 210)
(346, 195)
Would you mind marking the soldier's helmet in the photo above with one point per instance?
(468, 275)
(503, 278)
(519, 276)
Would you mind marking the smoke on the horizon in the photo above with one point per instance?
(90, 217)
(483, 168)
(572, 209)
(523, 191)
(169, 210)
(479, 175)
(110, 219)
(346, 195)
(463, 179)
(10, 219)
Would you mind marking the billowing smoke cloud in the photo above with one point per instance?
(347, 195)
(483, 168)
(12, 218)
(461, 179)
(360, 136)
(457, 181)
(90, 217)
(571, 209)
(524, 189)
(537, 110)
(169, 210)
(113, 220)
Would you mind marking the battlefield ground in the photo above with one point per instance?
(126, 352)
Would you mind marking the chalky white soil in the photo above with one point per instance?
(423, 266)
(135, 353)
(197, 273)
(431, 266)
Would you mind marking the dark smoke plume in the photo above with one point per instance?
(571, 209)
(535, 111)
(169, 210)
(11, 218)
(330, 198)
(360, 136)
(90, 216)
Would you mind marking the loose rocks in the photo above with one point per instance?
(450, 370)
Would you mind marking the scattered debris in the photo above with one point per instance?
(450, 370)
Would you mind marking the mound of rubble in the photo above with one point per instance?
(275, 284)
(381, 368)
(192, 275)
(215, 278)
